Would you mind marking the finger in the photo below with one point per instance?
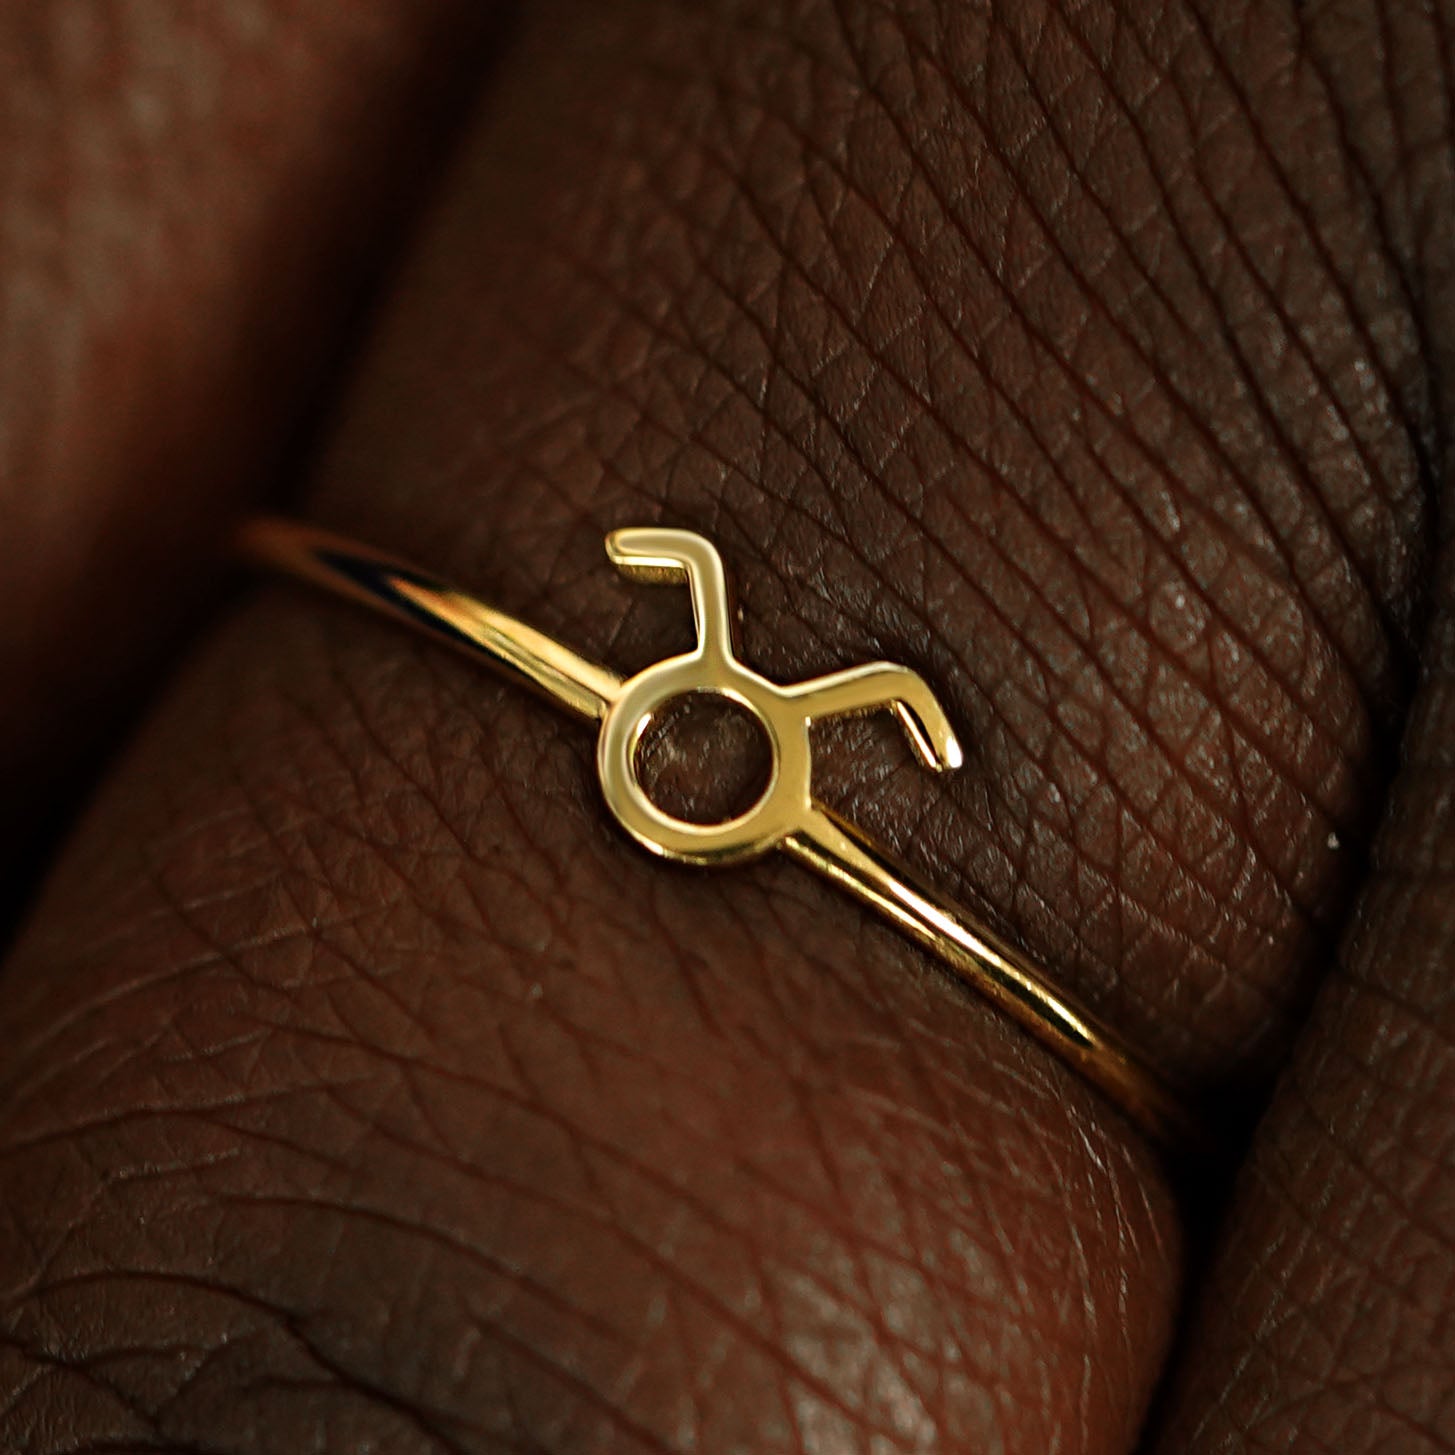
(1090, 398)
(1327, 1324)
(192, 198)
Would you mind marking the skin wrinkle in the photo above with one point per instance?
(1128, 112)
(1147, 150)
(828, 1202)
(1392, 394)
(1408, 428)
(352, 1039)
(282, 1317)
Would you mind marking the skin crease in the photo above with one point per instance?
(363, 1090)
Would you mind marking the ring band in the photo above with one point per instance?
(786, 816)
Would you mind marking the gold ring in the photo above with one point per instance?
(786, 816)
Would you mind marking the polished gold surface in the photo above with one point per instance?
(786, 815)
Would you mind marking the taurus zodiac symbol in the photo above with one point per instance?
(785, 713)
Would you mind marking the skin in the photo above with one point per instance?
(364, 1090)
(194, 201)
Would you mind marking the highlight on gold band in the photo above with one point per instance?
(786, 817)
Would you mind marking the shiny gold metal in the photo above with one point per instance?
(786, 815)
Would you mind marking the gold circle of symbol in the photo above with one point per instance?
(787, 816)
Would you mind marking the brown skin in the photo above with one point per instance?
(363, 1090)
(193, 198)
(1326, 1324)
